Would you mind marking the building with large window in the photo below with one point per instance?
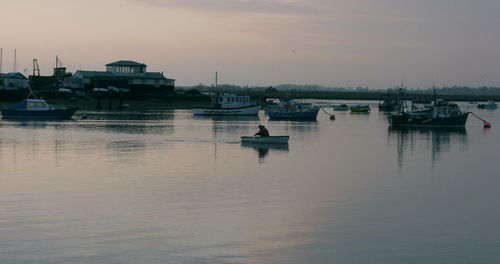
(124, 74)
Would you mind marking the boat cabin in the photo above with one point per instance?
(37, 104)
(230, 100)
(31, 104)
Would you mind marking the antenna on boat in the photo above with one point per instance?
(36, 69)
(15, 60)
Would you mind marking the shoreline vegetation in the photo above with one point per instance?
(194, 98)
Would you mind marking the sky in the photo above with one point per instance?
(338, 43)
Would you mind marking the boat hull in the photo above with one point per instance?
(359, 109)
(55, 114)
(487, 106)
(248, 110)
(407, 120)
(340, 108)
(302, 115)
(266, 140)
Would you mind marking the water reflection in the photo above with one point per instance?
(441, 140)
(263, 149)
(130, 115)
(227, 118)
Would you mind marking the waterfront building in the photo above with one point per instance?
(126, 74)
(13, 81)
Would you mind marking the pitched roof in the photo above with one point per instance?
(12, 75)
(126, 63)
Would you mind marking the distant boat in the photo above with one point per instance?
(489, 105)
(341, 107)
(266, 140)
(37, 109)
(228, 104)
(360, 108)
(293, 110)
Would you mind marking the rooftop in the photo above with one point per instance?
(12, 75)
(126, 63)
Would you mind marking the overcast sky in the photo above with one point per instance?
(378, 44)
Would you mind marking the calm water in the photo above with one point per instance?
(165, 187)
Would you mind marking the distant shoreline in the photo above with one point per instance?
(189, 102)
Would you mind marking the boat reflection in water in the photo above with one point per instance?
(263, 149)
(226, 118)
(409, 140)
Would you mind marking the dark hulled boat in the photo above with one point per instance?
(441, 113)
(36, 109)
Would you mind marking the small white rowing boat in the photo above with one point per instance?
(266, 140)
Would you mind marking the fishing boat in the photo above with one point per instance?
(489, 105)
(37, 109)
(360, 108)
(440, 113)
(293, 110)
(341, 107)
(228, 104)
(266, 140)
(391, 102)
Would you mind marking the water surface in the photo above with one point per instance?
(166, 187)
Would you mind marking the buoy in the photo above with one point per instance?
(487, 124)
(84, 116)
(332, 117)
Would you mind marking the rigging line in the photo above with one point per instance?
(325, 111)
(484, 121)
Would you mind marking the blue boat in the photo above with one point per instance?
(36, 109)
(293, 110)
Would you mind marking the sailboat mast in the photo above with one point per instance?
(1, 59)
(215, 79)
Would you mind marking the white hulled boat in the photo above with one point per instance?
(228, 104)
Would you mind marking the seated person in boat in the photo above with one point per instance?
(262, 131)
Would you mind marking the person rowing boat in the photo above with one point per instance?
(263, 132)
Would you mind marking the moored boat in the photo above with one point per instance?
(489, 105)
(341, 107)
(293, 110)
(441, 113)
(360, 108)
(37, 109)
(265, 140)
(229, 104)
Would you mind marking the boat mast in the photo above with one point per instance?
(1, 59)
(15, 60)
